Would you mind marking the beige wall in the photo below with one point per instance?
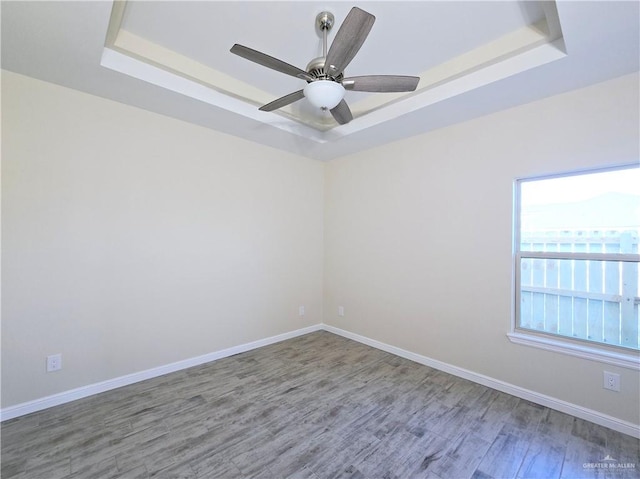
(131, 240)
(418, 237)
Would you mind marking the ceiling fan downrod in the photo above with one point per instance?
(324, 21)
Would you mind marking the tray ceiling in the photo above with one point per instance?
(173, 58)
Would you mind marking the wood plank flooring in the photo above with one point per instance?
(313, 407)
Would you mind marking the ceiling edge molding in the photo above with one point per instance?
(126, 64)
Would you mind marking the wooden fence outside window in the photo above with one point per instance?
(571, 286)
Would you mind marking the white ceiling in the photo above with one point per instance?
(173, 58)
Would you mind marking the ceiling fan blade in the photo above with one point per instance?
(283, 101)
(342, 113)
(350, 37)
(381, 83)
(266, 60)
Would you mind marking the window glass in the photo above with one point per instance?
(577, 256)
(604, 204)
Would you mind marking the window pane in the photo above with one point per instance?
(589, 300)
(589, 213)
(593, 298)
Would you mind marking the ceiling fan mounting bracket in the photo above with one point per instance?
(324, 21)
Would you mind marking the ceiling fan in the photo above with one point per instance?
(326, 84)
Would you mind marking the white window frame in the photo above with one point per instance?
(609, 354)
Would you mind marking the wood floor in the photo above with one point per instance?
(318, 406)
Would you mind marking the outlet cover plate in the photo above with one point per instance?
(611, 381)
(54, 363)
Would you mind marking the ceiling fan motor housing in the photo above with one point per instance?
(315, 68)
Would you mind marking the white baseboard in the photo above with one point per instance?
(590, 415)
(91, 389)
(596, 417)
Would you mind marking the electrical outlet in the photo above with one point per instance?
(301, 310)
(54, 363)
(340, 310)
(611, 381)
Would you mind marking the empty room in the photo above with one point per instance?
(317, 240)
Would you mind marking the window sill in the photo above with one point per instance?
(623, 360)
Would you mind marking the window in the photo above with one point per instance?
(576, 262)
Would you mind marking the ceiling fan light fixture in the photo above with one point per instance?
(325, 94)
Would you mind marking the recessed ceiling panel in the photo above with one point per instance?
(191, 40)
(407, 38)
